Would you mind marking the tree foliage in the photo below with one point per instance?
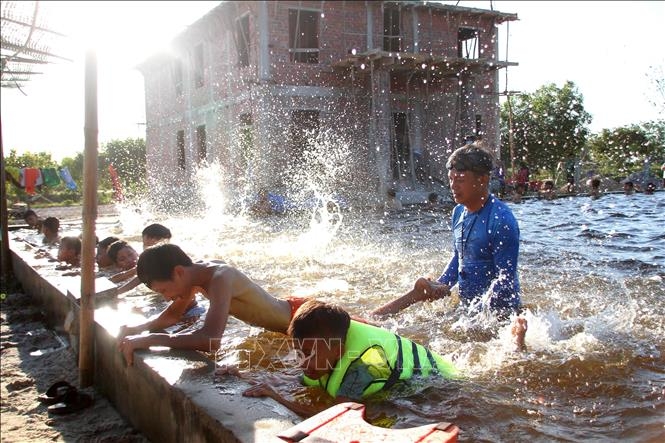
(30, 160)
(624, 150)
(129, 160)
(127, 156)
(548, 126)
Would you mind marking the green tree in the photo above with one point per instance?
(75, 166)
(548, 126)
(30, 160)
(624, 150)
(128, 158)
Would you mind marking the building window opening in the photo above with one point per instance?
(201, 143)
(391, 29)
(180, 149)
(242, 40)
(198, 65)
(468, 43)
(304, 36)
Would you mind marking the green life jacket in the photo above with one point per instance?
(405, 358)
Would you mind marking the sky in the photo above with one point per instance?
(611, 50)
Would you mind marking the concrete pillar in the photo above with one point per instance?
(416, 37)
(381, 124)
(493, 114)
(263, 52)
(467, 115)
(416, 136)
(370, 25)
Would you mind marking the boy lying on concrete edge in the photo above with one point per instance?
(166, 269)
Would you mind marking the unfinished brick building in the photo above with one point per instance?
(258, 86)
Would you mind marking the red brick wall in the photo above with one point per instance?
(342, 27)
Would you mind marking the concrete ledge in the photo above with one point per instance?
(55, 302)
(169, 395)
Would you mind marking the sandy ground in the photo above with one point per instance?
(32, 358)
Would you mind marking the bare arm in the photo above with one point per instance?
(206, 339)
(124, 275)
(168, 317)
(423, 290)
(129, 285)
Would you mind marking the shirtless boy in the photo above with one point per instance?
(166, 269)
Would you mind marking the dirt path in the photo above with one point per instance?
(32, 358)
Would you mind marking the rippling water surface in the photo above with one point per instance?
(592, 275)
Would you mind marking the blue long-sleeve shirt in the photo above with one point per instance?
(486, 248)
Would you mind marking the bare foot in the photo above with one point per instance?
(519, 331)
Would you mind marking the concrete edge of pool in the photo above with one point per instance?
(168, 395)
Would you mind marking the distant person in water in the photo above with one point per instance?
(32, 220)
(595, 191)
(547, 191)
(70, 251)
(155, 233)
(50, 228)
(523, 175)
(485, 243)
(432, 200)
(393, 202)
(628, 188)
(650, 189)
(166, 269)
(351, 361)
(102, 257)
(518, 193)
(123, 255)
(268, 203)
(151, 235)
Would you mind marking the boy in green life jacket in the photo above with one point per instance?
(350, 360)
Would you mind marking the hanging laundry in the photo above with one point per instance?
(67, 178)
(117, 187)
(29, 178)
(51, 178)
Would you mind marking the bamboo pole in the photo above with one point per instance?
(6, 258)
(87, 318)
(511, 139)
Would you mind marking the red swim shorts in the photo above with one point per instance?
(295, 303)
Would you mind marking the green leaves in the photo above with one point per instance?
(548, 125)
(621, 151)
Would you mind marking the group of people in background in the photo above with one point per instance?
(115, 258)
(546, 189)
(69, 247)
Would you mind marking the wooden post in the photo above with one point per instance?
(87, 318)
(6, 258)
(511, 142)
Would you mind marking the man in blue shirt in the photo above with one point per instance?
(485, 244)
